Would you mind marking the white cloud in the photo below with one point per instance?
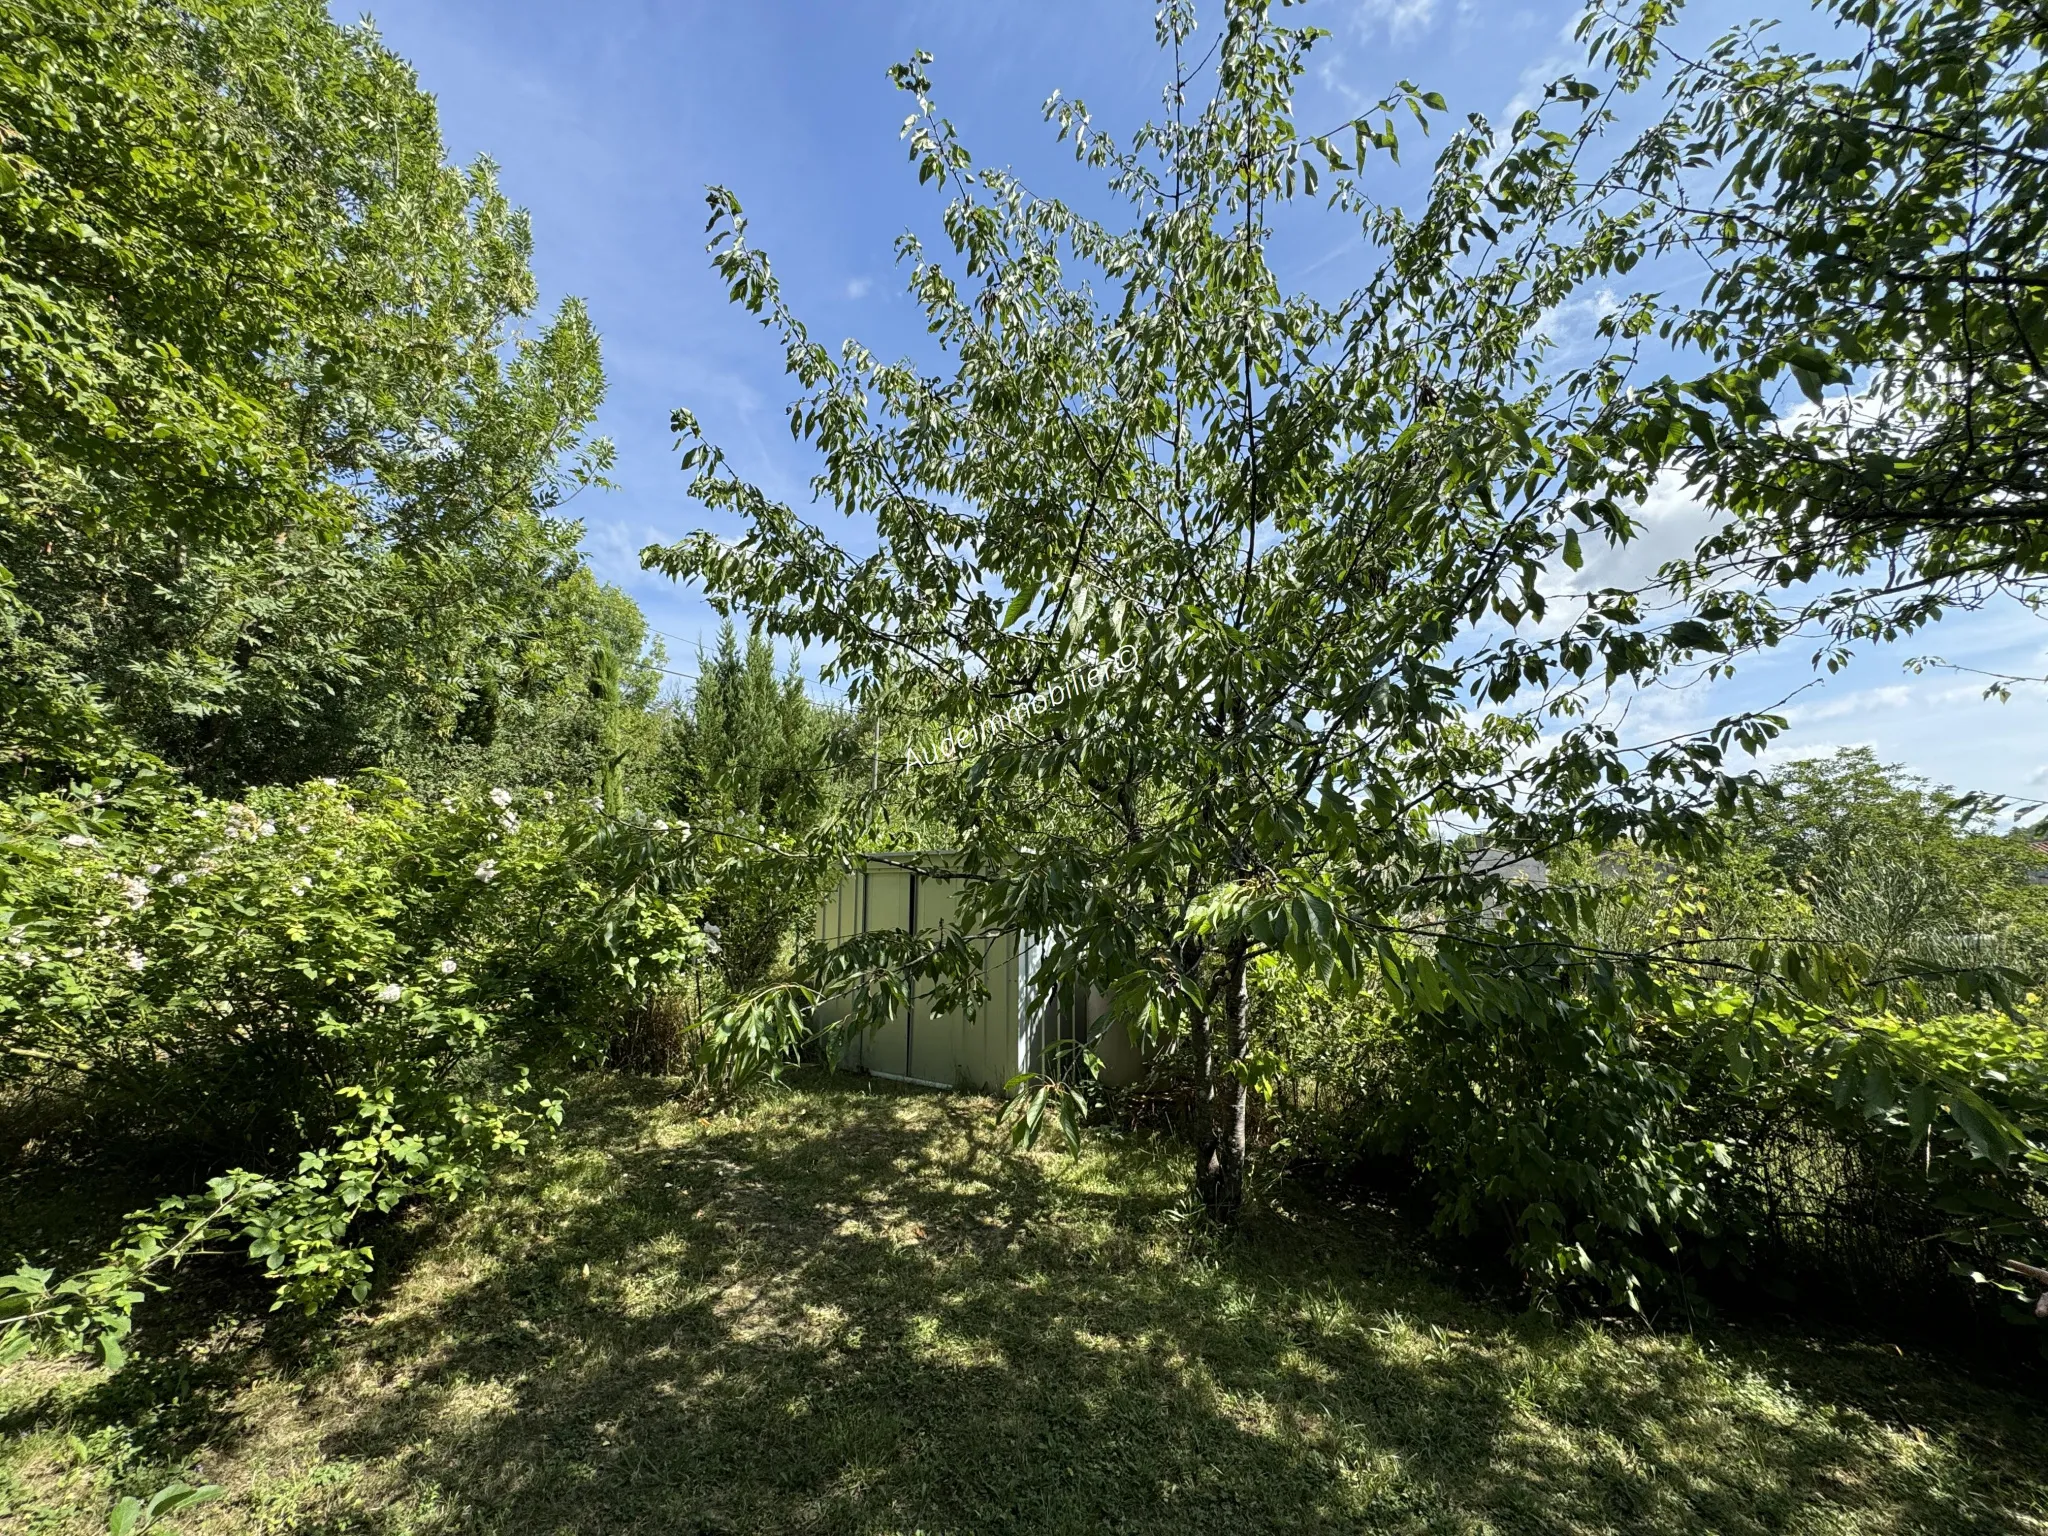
(1961, 693)
(1669, 524)
(857, 288)
(1494, 16)
(1568, 57)
(1893, 696)
(1399, 18)
(1779, 753)
(1574, 325)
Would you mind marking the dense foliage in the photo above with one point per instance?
(277, 479)
(341, 991)
(280, 492)
(1708, 1137)
(750, 752)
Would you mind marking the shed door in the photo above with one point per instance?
(887, 907)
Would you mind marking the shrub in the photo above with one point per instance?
(341, 990)
(1556, 1132)
(1628, 1142)
(1876, 1157)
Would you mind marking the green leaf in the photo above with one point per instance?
(1879, 1095)
(1021, 604)
(1920, 1106)
(1979, 1124)
(1692, 635)
(177, 1496)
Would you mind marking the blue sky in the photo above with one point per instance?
(609, 117)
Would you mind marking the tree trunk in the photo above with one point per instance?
(1220, 1157)
(1201, 1047)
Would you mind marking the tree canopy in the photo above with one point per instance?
(1869, 224)
(278, 480)
(1310, 522)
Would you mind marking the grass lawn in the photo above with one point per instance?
(852, 1308)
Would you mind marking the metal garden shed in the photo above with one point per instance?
(1027, 1012)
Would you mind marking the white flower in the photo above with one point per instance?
(501, 798)
(152, 869)
(77, 840)
(597, 802)
(133, 891)
(268, 829)
(548, 796)
(24, 958)
(136, 960)
(487, 871)
(683, 827)
(104, 920)
(447, 967)
(390, 992)
(712, 929)
(179, 878)
(511, 820)
(660, 826)
(303, 828)
(330, 783)
(199, 813)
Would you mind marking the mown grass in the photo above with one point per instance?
(852, 1308)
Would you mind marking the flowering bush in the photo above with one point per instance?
(340, 991)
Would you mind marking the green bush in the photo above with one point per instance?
(1557, 1131)
(1336, 1055)
(340, 990)
(1629, 1141)
(1871, 1154)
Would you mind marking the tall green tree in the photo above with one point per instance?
(749, 743)
(753, 754)
(1308, 523)
(549, 710)
(279, 479)
(1902, 868)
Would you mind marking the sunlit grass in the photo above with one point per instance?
(850, 1308)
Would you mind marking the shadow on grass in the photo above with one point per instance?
(853, 1308)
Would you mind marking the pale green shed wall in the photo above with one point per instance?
(956, 1049)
